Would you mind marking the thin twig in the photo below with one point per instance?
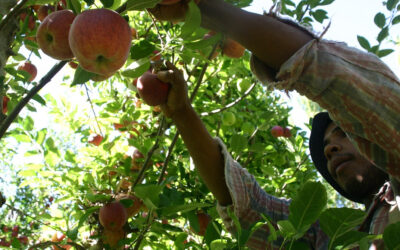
(13, 12)
(94, 113)
(46, 79)
(150, 153)
(46, 244)
(230, 104)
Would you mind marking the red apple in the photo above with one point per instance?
(23, 239)
(134, 33)
(95, 139)
(203, 219)
(137, 160)
(152, 90)
(112, 237)
(287, 133)
(30, 69)
(44, 11)
(232, 49)
(5, 110)
(31, 22)
(277, 131)
(73, 65)
(135, 207)
(113, 215)
(156, 56)
(100, 40)
(52, 34)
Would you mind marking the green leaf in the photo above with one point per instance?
(219, 244)
(98, 197)
(211, 233)
(27, 173)
(192, 20)
(383, 34)
(307, 206)
(238, 143)
(348, 240)
(22, 137)
(81, 76)
(28, 123)
(338, 221)
(364, 42)
(39, 99)
(203, 43)
(140, 4)
(141, 49)
(74, 5)
(149, 193)
(326, 2)
(107, 3)
(391, 236)
(40, 136)
(137, 68)
(166, 211)
(380, 20)
(384, 52)
(319, 15)
(396, 20)
(391, 4)
(286, 228)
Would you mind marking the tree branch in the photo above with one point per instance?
(13, 12)
(46, 79)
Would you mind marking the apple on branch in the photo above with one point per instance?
(30, 69)
(52, 34)
(152, 90)
(277, 131)
(113, 215)
(95, 139)
(100, 39)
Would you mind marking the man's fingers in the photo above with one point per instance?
(166, 76)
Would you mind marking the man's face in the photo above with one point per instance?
(353, 172)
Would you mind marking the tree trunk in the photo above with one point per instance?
(6, 33)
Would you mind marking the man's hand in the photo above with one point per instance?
(178, 102)
(173, 13)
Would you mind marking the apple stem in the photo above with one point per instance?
(46, 79)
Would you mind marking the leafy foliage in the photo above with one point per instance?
(55, 179)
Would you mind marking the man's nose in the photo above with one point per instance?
(331, 149)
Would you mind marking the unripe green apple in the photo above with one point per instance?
(228, 118)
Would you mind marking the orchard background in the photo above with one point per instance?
(69, 148)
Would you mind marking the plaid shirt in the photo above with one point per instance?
(361, 95)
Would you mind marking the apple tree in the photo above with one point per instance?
(87, 163)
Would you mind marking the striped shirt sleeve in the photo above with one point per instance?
(250, 201)
(359, 91)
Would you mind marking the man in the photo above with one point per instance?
(360, 93)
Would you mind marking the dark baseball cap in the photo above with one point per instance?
(319, 124)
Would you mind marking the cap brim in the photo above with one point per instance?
(319, 124)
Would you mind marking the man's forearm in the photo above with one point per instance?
(271, 40)
(205, 153)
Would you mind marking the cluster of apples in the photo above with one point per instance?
(114, 215)
(99, 39)
(14, 235)
(278, 131)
